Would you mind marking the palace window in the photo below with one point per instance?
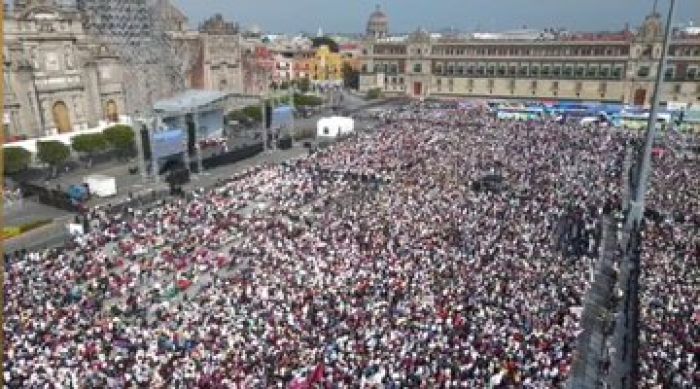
(668, 74)
(580, 71)
(534, 71)
(643, 71)
(617, 72)
(460, 70)
(480, 70)
(491, 70)
(450, 70)
(545, 71)
(438, 69)
(604, 72)
(691, 74)
(417, 68)
(592, 71)
(470, 70)
(556, 71)
(502, 70)
(523, 70)
(568, 71)
(511, 71)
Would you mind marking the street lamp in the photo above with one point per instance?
(637, 202)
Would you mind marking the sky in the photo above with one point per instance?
(348, 16)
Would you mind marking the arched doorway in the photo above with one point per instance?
(640, 96)
(111, 111)
(61, 117)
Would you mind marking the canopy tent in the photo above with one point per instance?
(335, 126)
(190, 100)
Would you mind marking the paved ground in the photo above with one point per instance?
(28, 211)
(135, 184)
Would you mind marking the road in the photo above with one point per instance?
(134, 183)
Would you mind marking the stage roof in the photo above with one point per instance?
(190, 100)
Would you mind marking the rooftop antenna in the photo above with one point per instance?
(653, 10)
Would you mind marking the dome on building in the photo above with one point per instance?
(378, 16)
(378, 24)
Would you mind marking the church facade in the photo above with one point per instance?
(57, 79)
(62, 75)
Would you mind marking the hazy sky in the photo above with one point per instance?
(406, 15)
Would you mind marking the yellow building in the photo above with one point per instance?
(326, 66)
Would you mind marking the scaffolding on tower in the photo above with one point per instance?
(156, 64)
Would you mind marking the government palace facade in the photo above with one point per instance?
(615, 68)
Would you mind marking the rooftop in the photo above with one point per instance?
(189, 100)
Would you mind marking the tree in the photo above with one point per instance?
(325, 41)
(53, 153)
(351, 77)
(374, 93)
(306, 100)
(15, 159)
(304, 85)
(89, 144)
(120, 138)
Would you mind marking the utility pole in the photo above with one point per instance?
(637, 202)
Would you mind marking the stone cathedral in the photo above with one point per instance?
(59, 76)
(57, 79)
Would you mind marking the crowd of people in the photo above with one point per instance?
(376, 262)
(670, 288)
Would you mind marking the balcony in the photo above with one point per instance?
(51, 84)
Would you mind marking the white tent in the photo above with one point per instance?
(334, 126)
(101, 185)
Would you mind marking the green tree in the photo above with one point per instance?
(15, 159)
(351, 77)
(306, 100)
(121, 139)
(374, 93)
(325, 41)
(304, 85)
(89, 144)
(53, 153)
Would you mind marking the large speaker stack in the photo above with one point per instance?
(177, 177)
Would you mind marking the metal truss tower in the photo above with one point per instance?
(136, 31)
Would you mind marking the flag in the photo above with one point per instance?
(316, 376)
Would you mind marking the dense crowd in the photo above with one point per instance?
(375, 262)
(670, 279)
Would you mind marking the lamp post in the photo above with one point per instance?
(637, 202)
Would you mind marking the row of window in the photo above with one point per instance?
(538, 51)
(684, 51)
(532, 70)
(673, 73)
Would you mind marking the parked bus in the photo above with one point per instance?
(638, 120)
(520, 113)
